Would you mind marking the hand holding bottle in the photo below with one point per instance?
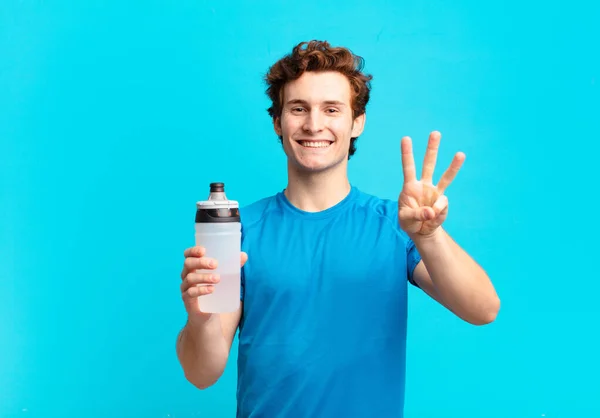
(195, 283)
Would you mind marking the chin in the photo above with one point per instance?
(314, 165)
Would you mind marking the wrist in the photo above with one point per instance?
(196, 324)
(424, 241)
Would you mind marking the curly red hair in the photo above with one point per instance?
(319, 56)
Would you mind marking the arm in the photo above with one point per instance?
(452, 278)
(204, 343)
(447, 273)
(203, 349)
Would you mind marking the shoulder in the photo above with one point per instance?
(377, 206)
(254, 212)
(386, 210)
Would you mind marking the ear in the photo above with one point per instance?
(277, 125)
(359, 125)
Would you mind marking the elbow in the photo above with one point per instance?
(200, 382)
(487, 314)
(201, 376)
(203, 385)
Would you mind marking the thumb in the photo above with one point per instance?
(420, 214)
(424, 213)
(243, 258)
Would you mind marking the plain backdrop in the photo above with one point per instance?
(116, 115)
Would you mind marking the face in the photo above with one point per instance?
(316, 121)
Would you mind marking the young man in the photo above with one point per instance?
(322, 325)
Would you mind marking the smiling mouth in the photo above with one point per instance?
(315, 144)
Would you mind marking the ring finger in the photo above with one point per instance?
(193, 279)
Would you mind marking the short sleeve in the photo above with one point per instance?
(242, 284)
(412, 259)
(243, 269)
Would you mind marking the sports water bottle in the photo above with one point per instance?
(218, 229)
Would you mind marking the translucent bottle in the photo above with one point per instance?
(218, 229)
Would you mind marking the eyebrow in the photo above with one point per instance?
(327, 102)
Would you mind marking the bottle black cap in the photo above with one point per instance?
(217, 209)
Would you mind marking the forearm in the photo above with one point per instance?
(202, 351)
(459, 282)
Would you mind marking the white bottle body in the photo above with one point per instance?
(222, 241)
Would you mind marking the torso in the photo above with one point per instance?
(324, 320)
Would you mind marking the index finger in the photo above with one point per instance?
(197, 251)
(408, 160)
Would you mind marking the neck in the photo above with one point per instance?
(315, 192)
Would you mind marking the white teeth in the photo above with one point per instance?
(315, 144)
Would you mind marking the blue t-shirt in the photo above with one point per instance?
(323, 329)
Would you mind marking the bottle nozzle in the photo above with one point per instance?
(217, 191)
(217, 187)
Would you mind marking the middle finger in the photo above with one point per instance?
(202, 263)
(430, 157)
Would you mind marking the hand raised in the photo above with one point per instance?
(422, 206)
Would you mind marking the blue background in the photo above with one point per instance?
(115, 116)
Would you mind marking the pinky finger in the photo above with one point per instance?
(451, 172)
(440, 205)
(199, 290)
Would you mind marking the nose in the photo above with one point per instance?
(313, 122)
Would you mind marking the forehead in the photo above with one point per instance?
(317, 87)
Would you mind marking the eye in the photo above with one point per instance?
(332, 110)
